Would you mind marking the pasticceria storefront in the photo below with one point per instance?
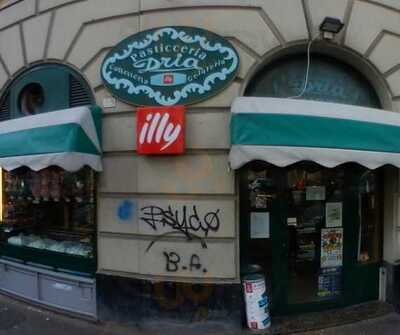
(304, 190)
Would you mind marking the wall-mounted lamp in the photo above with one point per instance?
(330, 26)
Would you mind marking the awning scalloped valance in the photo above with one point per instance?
(69, 138)
(285, 131)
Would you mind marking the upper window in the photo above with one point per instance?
(329, 80)
(31, 99)
(43, 89)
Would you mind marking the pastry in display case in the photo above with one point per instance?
(49, 212)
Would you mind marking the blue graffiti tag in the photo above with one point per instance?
(126, 210)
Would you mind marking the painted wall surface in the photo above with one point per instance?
(195, 191)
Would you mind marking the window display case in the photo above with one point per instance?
(49, 219)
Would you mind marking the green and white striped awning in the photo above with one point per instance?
(285, 131)
(67, 138)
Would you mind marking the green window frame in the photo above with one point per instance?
(62, 87)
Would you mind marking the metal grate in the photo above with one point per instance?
(78, 95)
(5, 107)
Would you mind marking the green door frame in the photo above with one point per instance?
(333, 81)
(360, 281)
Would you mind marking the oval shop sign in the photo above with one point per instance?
(169, 66)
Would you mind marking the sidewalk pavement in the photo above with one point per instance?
(384, 325)
(18, 318)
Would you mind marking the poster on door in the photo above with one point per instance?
(330, 283)
(331, 247)
(333, 216)
(259, 225)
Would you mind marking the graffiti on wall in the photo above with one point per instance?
(184, 220)
(174, 262)
(126, 210)
(176, 233)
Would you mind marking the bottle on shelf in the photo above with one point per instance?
(55, 185)
(35, 186)
(45, 184)
(67, 185)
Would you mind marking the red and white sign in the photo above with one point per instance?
(160, 130)
(168, 79)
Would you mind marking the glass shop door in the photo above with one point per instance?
(315, 232)
(315, 200)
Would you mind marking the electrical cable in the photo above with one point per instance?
(307, 71)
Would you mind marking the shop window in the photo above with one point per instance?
(48, 216)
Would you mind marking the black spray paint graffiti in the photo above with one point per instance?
(173, 263)
(186, 221)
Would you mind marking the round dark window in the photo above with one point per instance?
(31, 99)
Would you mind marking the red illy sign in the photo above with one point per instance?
(160, 130)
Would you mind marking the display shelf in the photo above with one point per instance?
(68, 235)
(303, 231)
(36, 201)
(56, 260)
(255, 209)
(50, 209)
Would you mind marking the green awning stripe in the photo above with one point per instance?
(313, 131)
(67, 137)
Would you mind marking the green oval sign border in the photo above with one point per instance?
(189, 93)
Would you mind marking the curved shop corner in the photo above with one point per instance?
(158, 157)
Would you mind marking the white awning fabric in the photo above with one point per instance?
(69, 138)
(285, 131)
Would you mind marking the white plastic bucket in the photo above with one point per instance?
(257, 302)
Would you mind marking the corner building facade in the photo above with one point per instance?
(142, 272)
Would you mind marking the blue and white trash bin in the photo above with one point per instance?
(257, 302)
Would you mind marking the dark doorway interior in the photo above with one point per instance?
(315, 231)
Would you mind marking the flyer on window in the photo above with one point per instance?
(315, 193)
(333, 214)
(259, 225)
(330, 283)
(331, 247)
